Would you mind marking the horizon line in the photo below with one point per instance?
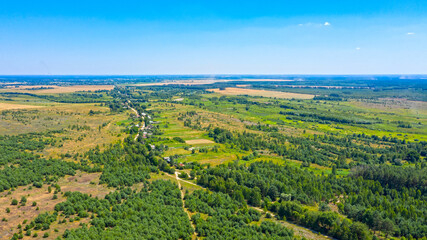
(216, 74)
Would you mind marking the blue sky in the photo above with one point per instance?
(213, 37)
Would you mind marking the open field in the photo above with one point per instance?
(47, 89)
(261, 93)
(9, 106)
(199, 141)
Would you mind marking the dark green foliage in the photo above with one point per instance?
(202, 201)
(368, 201)
(127, 164)
(156, 212)
(78, 97)
(395, 177)
(230, 219)
(21, 167)
(23, 200)
(183, 175)
(34, 171)
(325, 149)
(323, 207)
(326, 222)
(178, 139)
(325, 118)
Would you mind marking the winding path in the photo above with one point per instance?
(298, 230)
(143, 123)
(183, 205)
(180, 179)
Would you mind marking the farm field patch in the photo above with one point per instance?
(48, 89)
(199, 141)
(262, 93)
(9, 106)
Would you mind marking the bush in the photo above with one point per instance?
(178, 139)
(323, 207)
(23, 200)
(183, 175)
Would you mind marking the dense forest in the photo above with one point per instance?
(230, 219)
(375, 203)
(155, 212)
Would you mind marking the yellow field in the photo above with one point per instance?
(60, 89)
(199, 141)
(261, 93)
(9, 106)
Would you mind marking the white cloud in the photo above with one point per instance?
(305, 24)
(311, 24)
(358, 48)
(410, 33)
